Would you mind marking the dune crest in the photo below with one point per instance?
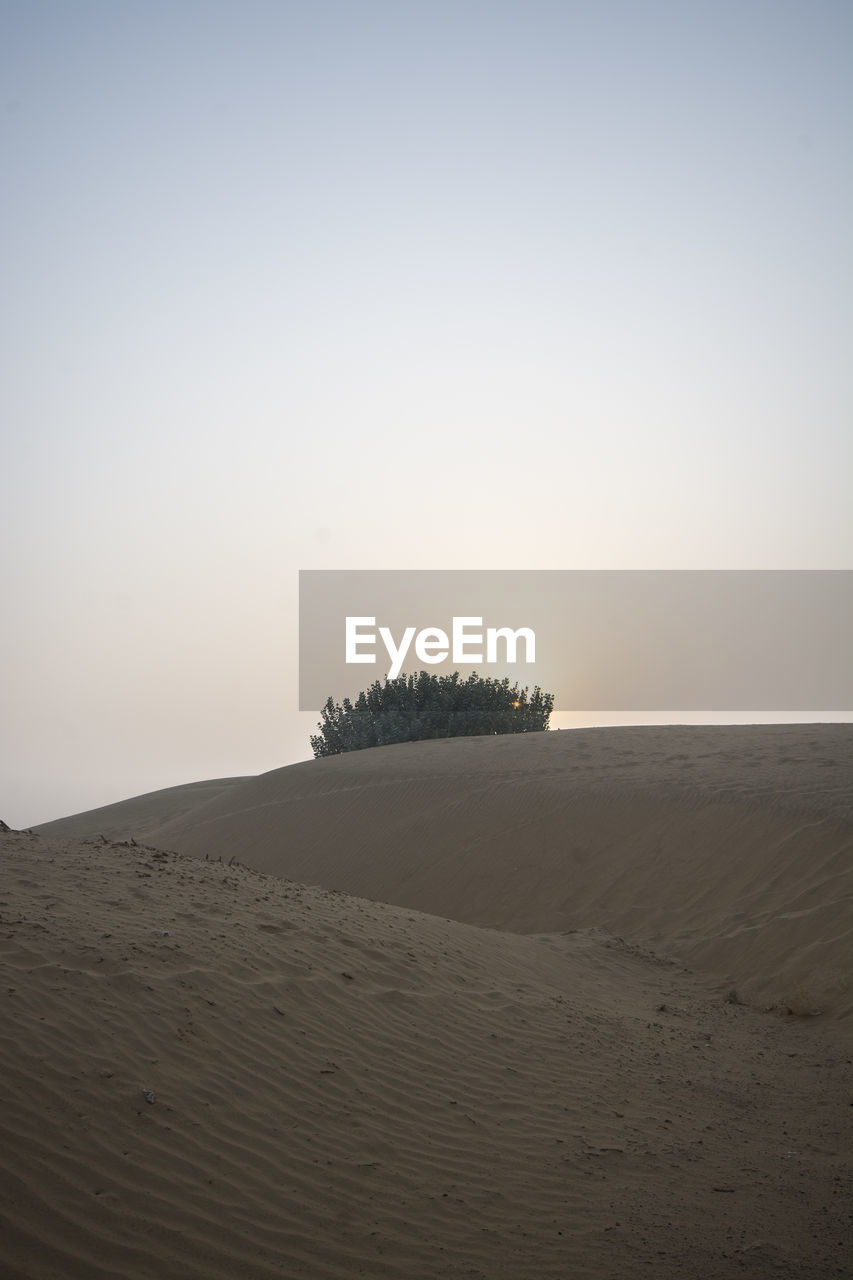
(728, 847)
(138, 815)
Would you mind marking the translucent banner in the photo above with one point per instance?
(644, 640)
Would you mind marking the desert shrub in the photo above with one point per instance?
(425, 705)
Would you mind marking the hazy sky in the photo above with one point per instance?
(391, 284)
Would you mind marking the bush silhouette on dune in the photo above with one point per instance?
(424, 705)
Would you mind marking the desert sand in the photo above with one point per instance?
(144, 813)
(563, 1005)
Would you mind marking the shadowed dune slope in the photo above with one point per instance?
(209, 1074)
(140, 814)
(729, 847)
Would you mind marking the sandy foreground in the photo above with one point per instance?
(563, 1005)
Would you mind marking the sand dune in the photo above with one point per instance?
(140, 814)
(209, 1073)
(560, 1024)
(728, 847)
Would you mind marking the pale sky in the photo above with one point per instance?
(389, 285)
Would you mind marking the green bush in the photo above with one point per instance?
(409, 708)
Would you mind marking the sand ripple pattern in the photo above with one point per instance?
(212, 1073)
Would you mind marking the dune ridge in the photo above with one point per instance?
(138, 815)
(726, 846)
